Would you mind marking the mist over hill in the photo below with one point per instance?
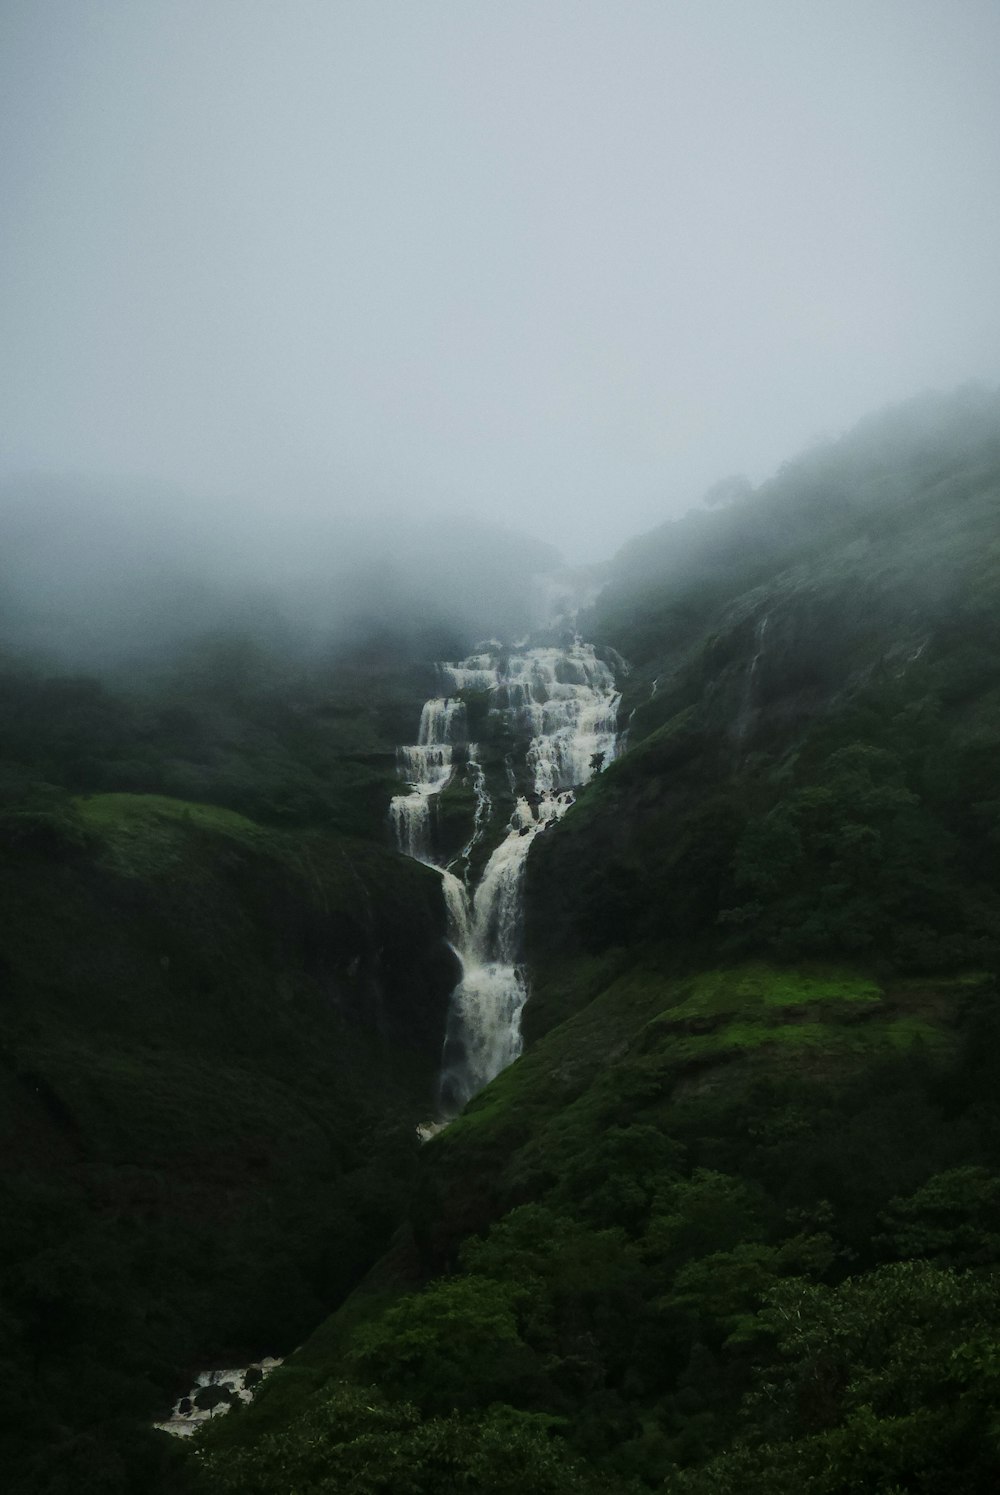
(499, 726)
(851, 487)
(758, 1083)
(115, 578)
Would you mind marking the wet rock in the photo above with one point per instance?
(210, 1397)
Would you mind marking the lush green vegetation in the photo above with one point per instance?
(812, 761)
(734, 1228)
(730, 1224)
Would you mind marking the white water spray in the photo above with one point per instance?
(563, 704)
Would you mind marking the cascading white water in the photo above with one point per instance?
(563, 702)
(427, 768)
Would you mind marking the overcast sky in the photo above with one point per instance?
(560, 263)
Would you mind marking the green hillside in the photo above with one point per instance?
(732, 1222)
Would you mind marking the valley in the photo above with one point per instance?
(680, 946)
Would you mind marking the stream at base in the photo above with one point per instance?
(215, 1391)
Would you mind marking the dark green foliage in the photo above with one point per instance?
(887, 1382)
(352, 1439)
(850, 864)
(730, 1224)
(953, 1219)
(811, 766)
(621, 1233)
(455, 1346)
(214, 1039)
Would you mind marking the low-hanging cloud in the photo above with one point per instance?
(558, 267)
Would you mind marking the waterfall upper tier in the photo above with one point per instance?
(547, 720)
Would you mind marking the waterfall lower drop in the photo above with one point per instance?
(562, 702)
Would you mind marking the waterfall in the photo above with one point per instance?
(560, 707)
(748, 710)
(427, 767)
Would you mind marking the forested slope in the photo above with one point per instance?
(811, 763)
(732, 1222)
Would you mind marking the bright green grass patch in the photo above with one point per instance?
(645, 995)
(641, 1011)
(503, 1108)
(143, 834)
(645, 1027)
(827, 1037)
(109, 813)
(758, 985)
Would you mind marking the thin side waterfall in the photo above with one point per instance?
(560, 706)
(749, 709)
